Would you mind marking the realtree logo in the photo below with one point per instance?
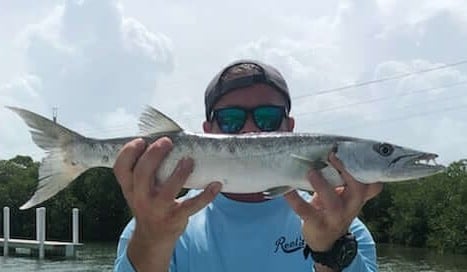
(289, 246)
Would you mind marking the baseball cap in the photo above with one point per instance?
(266, 74)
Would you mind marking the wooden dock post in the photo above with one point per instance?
(40, 230)
(40, 246)
(6, 230)
(70, 250)
(75, 226)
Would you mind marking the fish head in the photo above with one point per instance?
(370, 161)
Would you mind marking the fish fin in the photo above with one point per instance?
(315, 164)
(276, 191)
(153, 121)
(55, 174)
(58, 169)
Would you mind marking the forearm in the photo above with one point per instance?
(148, 255)
(136, 255)
(365, 260)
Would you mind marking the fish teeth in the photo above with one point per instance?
(430, 162)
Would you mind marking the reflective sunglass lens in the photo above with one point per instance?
(231, 120)
(268, 118)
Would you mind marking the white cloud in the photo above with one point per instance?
(307, 69)
(114, 124)
(88, 50)
(107, 57)
(89, 60)
(416, 12)
(21, 89)
(344, 53)
(420, 19)
(19, 92)
(418, 80)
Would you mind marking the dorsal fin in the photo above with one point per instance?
(153, 121)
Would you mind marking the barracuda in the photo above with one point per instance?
(272, 163)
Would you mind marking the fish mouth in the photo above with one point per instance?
(414, 165)
(425, 161)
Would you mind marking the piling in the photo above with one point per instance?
(40, 246)
(40, 230)
(6, 229)
(75, 226)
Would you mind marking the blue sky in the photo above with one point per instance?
(100, 62)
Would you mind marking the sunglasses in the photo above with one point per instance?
(232, 119)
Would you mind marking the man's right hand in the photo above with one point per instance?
(160, 217)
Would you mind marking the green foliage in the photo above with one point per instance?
(102, 205)
(376, 215)
(103, 210)
(18, 178)
(448, 215)
(409, 213)
(430, 212)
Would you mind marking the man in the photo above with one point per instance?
(208, 231)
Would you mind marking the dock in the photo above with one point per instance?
(39, 247)
(30, 248)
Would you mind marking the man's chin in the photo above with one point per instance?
(253, 197)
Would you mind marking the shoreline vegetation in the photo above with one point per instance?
(427, 213)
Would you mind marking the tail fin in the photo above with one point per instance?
(58, 169)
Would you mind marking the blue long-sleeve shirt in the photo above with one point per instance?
(228, 235)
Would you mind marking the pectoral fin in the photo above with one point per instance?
(276, 191)
(315, 164)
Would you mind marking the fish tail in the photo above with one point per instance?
(58, 169)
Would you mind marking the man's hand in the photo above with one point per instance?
(331, 210)
(160, 217)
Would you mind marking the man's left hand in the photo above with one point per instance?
(331, 210)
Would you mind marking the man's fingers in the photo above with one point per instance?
(193, 205)
(355, 194)
(175, 182)
(299, 205)
(326, 191)
(125, 162)
(354, 198)
(373, 190)
(147, 165)
(335, 162)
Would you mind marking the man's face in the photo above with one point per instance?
(250, 97)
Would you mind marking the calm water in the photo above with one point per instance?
(99, 257)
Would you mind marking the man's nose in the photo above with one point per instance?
(249, 126)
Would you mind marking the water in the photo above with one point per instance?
(91, 257)
(396, 258)
(100, 257)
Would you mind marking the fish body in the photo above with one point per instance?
(272, 163)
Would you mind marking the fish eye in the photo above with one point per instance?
(384, 149)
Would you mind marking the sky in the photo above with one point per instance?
(98, 63)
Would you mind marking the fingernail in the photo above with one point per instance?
(181, 164)
(164, 143)
(215, 187)
(140, 143)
